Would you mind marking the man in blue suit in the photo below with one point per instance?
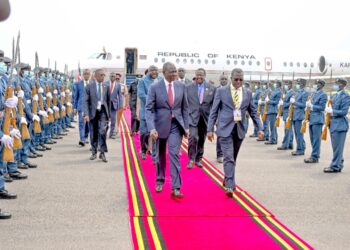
(272, 111)
(317, 105)
(256, 97)
(299, 102)
(167, 121)
(78, 105)
(230, 105)
(287, 142)
(339, 125)
(116, 104)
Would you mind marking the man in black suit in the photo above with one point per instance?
(135, 124)
(97, 110)
(200, 97)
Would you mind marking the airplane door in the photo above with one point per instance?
(268, 63)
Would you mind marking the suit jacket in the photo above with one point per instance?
(286, 103)
(275, 97)
(78, 102)
(299, 105)
(159, 113)
(197, 110)
(318, 101)
(142, 92)
(222, 111)
(133, 93)
(116, 95)
(91, 99)
(186, 81)
(339, 121)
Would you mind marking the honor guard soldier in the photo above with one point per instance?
(339, 125)
(256, 98)
(264, 96)
(316, 105)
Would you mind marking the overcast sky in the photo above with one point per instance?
(69, 30)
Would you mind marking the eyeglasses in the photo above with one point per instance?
(238, 80)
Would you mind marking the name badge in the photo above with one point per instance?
(99, 105)
(29, 101)
(237, 115)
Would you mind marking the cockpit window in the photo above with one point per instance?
(102, 56)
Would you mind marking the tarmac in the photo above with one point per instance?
(70, 202)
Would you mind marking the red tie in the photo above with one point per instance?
(170, 95)
(112, 86)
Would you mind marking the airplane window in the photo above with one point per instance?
(243, 62)
(206, 61)
(228, 62)
(177, 60)
(250, 63)
(235, 62)
(155, 59)
(199, 61)
(213, 61)
(285, 64)
(305, 65)
(290, 64)
(94, 56)
(192, 61)
(298, 64)
(258, 63)
(312, 65)
(185, 60)
(163, 60)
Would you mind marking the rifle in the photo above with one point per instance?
(280, 112)
(290, 115)
(265, 109)
(24, 128)
(57, 113)
(328, 120)
(69, 101)
(306, 119)
(37, 127)
(41, 104)
(48, 103)
(259, 105)
(62, 99)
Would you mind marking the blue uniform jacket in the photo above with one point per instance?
(318, 101)
(299, 105)
(339, 121)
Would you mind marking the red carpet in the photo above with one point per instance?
(205, 218)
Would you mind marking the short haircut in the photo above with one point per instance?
(201, 69)
(237, 71)
(167, 65)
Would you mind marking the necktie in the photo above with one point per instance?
(170, 95)
(236, 98)
(100, 91)
(112, 86)
(201, 95)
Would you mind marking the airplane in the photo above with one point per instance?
(256, 66)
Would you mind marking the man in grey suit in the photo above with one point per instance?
(230, 105)
(97, 110)
(200, 97)
(116, 95)
(167, 122)
(182, 76)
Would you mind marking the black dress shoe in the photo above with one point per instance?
(220, 159)
(7, 177)
(291, 148)
(38, 155)
(53, 142)
(30, 165)
(282, 148)
(190, 164)
(229, 192)
(65, 130)
(177, 194)
(56, 137)
(70, 126)
(20, 165)
(18, 175)
(81, 143)
(159, 188)
(253, 135)
(311, 160)
(143, 156)
(49, 142)
(269, 143)
(93, 157)
(40, 148)
(62, 134)
(331, 170)
(199, 164)
(31, 155)
(295, 153)
(4, 215)
(103, 157)
(46, 147)
(260, 139)
(4, 194)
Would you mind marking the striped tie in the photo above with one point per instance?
(236, 98)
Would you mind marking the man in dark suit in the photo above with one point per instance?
(135, 124)
(230, 105)
(167, 121)
(78, 105)
(116, 95)
(97, 110)
(200, 97)
(182, 76)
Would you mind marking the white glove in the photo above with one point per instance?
(329, 110)
(63, 94)
(63, 108)
(67, 91)
(35, 98)
(69, 104)
(23, 120)
(20, 94)
(43, 113)
(11, 102)
(40, 90)
(70, 93)
(280, 103)
(55, 92)
(292, 100)
(7, 141)
(260, 102)
(36, 118)
(50, 110)
(308, 104)
(56, 109)
(15, 133)
(267, 99)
